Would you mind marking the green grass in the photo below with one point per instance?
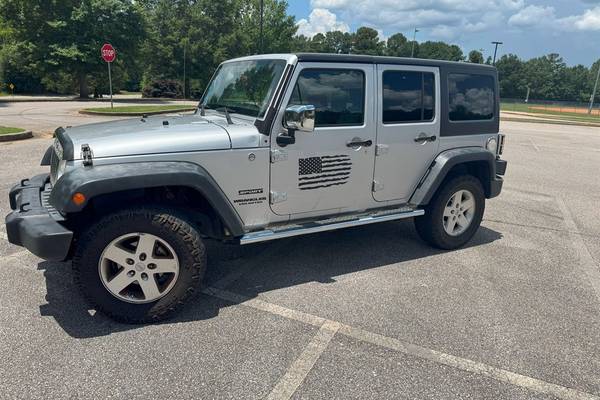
(551, 114)
(140, 109)
(6, 130)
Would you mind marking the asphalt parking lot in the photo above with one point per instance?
(368, 312)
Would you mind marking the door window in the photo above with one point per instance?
(408, 96)
(337, 94)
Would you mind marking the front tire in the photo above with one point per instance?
(454, 214)
(140, 265)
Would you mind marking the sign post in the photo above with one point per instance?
(12, 89)
(109, 55)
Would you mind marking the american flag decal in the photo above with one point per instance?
(322, 172)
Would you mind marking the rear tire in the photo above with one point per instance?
(140, 265)
(454, 214)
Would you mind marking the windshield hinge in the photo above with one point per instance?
(87, 155)
(278, 155)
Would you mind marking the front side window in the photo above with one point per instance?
(244, 87)
(471, 97)
(408, 96)
(337, 94)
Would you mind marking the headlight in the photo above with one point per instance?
(492, 145)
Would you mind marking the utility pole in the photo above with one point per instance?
(262, 21)
(495, 51)
(594, 92)
(412, 51)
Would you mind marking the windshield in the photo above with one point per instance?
(244, 87)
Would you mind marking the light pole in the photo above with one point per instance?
(412, 51)
(594, 92)
(495, 51)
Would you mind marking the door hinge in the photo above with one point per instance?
(87, 155)
(377, 186)
(278, 197)
(382, 149)
(278, 155)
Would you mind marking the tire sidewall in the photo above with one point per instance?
(164, 224)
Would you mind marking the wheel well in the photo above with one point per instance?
(478, 169)
(182, 198)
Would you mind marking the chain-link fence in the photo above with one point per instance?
(550, 107)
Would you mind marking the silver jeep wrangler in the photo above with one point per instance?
(280, 145)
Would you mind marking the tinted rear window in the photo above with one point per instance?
(471, 97)
(408, 96)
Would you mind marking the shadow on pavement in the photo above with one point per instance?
(314, 258)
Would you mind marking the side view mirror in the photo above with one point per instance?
(300, 118)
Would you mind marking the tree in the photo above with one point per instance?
(398, 46)
(366, 41)
(65, 38)
(512, 79)
(476, 57)
(439, 51)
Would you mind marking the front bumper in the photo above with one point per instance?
(497, 182)
(33, 224)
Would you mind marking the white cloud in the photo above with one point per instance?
(533, 15)
(320, 21)
(588, 21)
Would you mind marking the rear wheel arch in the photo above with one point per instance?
(473, 161)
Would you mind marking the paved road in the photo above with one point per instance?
(44, 117)
(367, 313)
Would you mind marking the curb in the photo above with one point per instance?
(156, 100)
(135, 114)
(16, 136)
(549, 121)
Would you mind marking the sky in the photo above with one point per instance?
(528, 28)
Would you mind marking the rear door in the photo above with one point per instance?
(323, 172)
(408, 128)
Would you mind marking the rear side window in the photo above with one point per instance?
(408, 96)
(471, 97)
(337, 94)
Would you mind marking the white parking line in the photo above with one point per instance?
(3, 235)
(586, 261)
(319, 343)
(295, 375)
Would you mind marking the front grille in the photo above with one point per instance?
(45, 200)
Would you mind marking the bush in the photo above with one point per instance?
(163, 88)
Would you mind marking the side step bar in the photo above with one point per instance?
(297, 230)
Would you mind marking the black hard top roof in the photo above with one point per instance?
(364, 59)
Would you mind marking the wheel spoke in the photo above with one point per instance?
(119, 282)
(117, 254)
(146, 245)
(468, 204)
(149, 288)
(463, 222)
(450, 224)
(165, 265)
(448, 212)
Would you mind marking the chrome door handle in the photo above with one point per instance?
(422, 138)
(366, 143)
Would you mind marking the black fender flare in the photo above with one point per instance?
(112, 178)
(443, 163)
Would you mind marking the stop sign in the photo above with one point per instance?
(108, 53)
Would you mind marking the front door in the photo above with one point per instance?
(408, 128)
(326, 170)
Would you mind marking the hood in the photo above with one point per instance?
(160, 134)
